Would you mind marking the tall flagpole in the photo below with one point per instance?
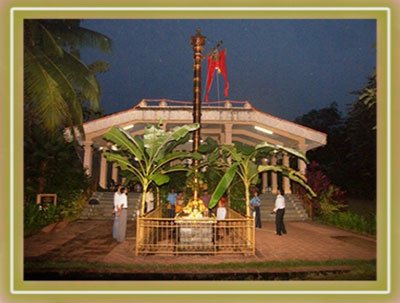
(197, 44)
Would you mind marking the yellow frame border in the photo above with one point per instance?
(384, 73)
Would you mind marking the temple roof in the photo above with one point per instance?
(249, 125)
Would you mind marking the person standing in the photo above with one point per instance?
(221, 215)
(123, 208)
(149, 200)
(116, 211)
(221, 210)
(279, 211)
(255, 203)
(171, 198)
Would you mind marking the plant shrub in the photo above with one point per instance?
(52, 165)
(330, 198)
(327, 203)
(36, 218)
(72, 206)
(351, 221)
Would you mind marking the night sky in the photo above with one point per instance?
(283, 67)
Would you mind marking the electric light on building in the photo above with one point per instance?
(264, 130)
(128, 127)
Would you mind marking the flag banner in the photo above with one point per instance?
(216, 61)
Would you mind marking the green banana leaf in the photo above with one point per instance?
(295, 153)
(289, 150)
(244, 149)
(223, 185)
(122, 162)
(160, 179)
(124, 141)
(290, 173)
(208, 146)
(156, 140)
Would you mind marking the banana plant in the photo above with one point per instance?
(242, 162)
(149, 158)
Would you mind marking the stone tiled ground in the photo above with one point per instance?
(91, 241)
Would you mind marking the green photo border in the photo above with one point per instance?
(15, 289)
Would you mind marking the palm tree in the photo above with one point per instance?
(56, 81)
(149, 158)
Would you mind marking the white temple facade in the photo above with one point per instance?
(224, 121)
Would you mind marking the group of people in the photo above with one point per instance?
(175, 205)
(279, 211)
(120, 211)
(176, 202)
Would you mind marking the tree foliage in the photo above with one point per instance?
(325, 120)
(361, 140)
(51, 165)
(332, 156)
(349, 158)
(368, 94)
(58, 88)
(56, 81)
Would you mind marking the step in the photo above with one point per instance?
(294, 209)
(103, 210)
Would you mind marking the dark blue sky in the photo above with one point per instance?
(283, 67)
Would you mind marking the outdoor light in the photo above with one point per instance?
(128, 127)
(264, 130)
(101, 148)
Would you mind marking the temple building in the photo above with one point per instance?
(224, 121)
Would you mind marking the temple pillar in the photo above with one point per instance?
(87, 157)
(274, 178)
(301, 164)
(103, 172)
(286, 180)
(114, 173)
(228, 133)
(264, 177)
(221, 137)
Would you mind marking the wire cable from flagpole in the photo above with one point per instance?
(217, 76)
(205, 86)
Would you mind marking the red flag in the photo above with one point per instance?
(216, 61)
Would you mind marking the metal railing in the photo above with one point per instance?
(162, 103)
(158, 235)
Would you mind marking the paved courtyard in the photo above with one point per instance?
(91, 241)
